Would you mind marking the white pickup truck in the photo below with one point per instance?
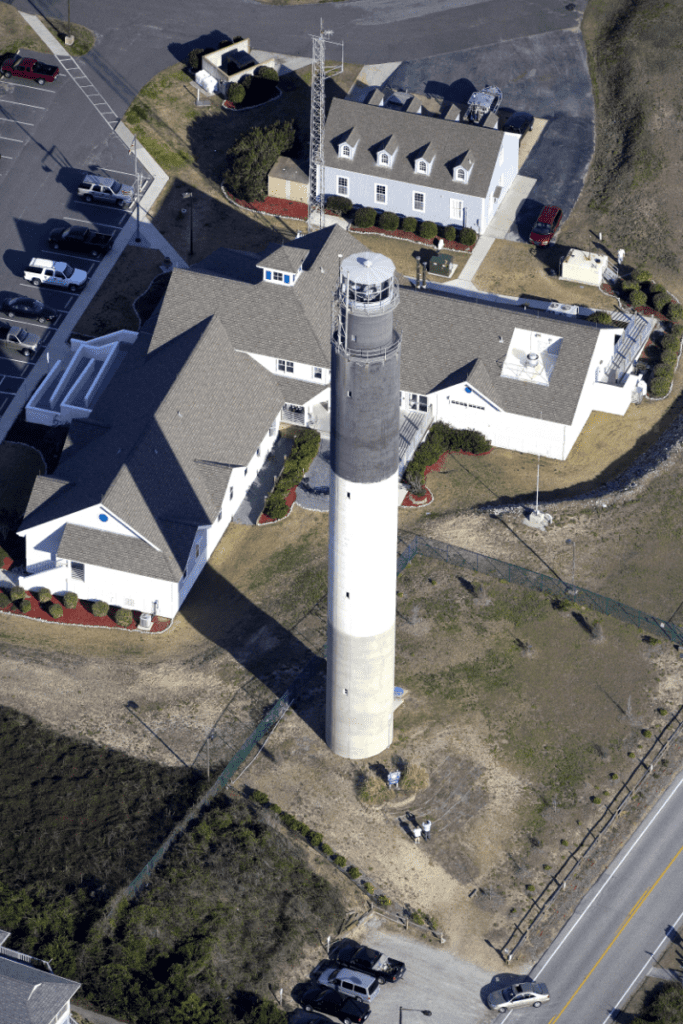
(61, 275)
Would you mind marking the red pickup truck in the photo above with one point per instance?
(28, 67)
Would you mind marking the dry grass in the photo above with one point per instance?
(16, 34)
(112, 307)
(513, 268)
(403, 254)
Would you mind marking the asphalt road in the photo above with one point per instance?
(137, 40)
(620, 927)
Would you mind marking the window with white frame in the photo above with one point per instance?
(342, 186)
(77, 571)
(345, 151)
(457, 209)
(285, 366)
(419, 202)
(278, 275)
(318, 372)
(461, 174)
(381, 194)
(422, 167)
(418, 402)
(384, 158)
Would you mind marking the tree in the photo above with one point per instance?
(192, 1011)
(253, 155)
(666, 1008)
(266, 1012)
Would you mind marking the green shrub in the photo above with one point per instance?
(660, 300)
(339, 204)
(563, 842)
(353, 872)
(656, 289)
(17, 593)
(641, 274)
(468, 236)
(365, 217)
(449, 232)
(70, 600)
(627, 286)
(315, 838)
(600, 317)
(428, 229)
(43, 595)
(3, 554)
(275, 506)
(123, 617)
(25, 606)
(369, 888)
(384, 901)
(4, 600)
(265, 1012)
(100, 609)
(246, 81)
(630, 754)
(613, 776)
(442, 438)
(596, 800)
(389, 221)
(327, 850)
(270, 74)
(531, 888)
(546, 867)
(674, 311)
(409, 224)
(662, 711)
(417, 917)
(258, 797)
(252, 156)
(340, 861)
(275, 809)
(660, 382)
(647, 733)
(304, 450)
(236, 93)
(637, 298)
(55, 610)
(194, 58)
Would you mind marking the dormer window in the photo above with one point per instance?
(384, 159)
(461, 174)
(422, 167)
(345, 151)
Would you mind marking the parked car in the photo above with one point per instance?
(371, 961)
(526, 993)
(61, 275)
(28, 67)
(81, 240)
(15, 337)
(335, 1004)
(94, 188)
(31, 309)
(546, 226)
(353, 982)
(519, 124)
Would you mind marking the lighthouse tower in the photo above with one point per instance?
(361, 614)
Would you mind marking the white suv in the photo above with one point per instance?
(105, 190)
(352, 983)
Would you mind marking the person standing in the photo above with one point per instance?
(426, 828)
(417, 834)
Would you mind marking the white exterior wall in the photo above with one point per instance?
(302, 371)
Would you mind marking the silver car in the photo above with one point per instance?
(18, 338)
(95, 188)
(525, 993)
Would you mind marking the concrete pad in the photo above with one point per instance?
(503, 223)
(377, 74)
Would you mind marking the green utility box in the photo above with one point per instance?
(441, 263)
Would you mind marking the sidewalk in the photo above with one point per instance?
(251, 508)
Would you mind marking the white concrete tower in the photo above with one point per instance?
(361, 612)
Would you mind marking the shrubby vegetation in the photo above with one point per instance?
(252, 156)
(340, 205)
(442, 438)
(70, 600)
(296, 464)
(365, 217)
(665, 1008)
(428, 229)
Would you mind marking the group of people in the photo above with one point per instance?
(421, 831)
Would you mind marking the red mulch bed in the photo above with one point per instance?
(7, 562)
(290, 499)
(410, 500)
(274, 206)
(81, 615)
(410, 237)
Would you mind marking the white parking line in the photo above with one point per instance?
(15, 80)
(13, 120)
(115, 173)
(35, 106)
(8, 138)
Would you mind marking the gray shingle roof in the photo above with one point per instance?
(414, 134)
(29, 995)
(285, 257)
(288, 170)
(113, 551)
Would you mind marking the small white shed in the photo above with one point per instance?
(583, 267)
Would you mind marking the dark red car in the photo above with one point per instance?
(29, 67)
(546, 226)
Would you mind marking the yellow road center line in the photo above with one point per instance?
(636, 907)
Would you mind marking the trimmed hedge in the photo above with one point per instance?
(55, 610)
(660, 300)
(674, 311)
(637, 298)
(365, 217)
(43, 595)
(70, 600)
(270, 74)
(600, 317)
(442, 438)
(194, 57)
(449, 232)
(468, 236)
(339, 204)
(428, 229)
(4, 600)
(389, 221)
(409, 224)
(123, 617)
(17, 593)
(641, 274)
(303, 452)
(100, 609)
(25, 606)
(236, 93)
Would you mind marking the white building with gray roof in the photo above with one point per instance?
(413, 163)
(29, 992)
(149, 482)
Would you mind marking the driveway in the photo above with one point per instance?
(546, 75)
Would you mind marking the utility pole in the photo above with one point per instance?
(316, 162)
(190, 196)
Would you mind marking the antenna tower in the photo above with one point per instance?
(316, 163)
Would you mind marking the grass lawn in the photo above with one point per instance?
(16, 34)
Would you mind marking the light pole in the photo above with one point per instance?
(68, 7)
(407, 1009)
(134, 148)
(570, 541)
(189, 195)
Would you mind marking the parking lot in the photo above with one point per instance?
(435, 980)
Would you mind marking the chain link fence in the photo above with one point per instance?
(551, 585)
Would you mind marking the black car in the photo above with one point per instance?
(369, 961)
(81, 240)
(336, 1004)
(519, 124)
(31, 309)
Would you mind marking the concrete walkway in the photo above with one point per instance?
(501, 226)
(251, 508)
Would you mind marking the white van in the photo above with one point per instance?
(353, 983)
